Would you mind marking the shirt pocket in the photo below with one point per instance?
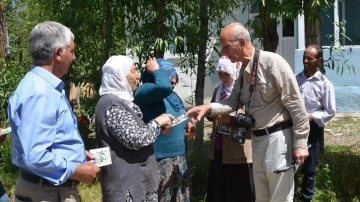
(312, 101)
(267, 92)
(311, 98)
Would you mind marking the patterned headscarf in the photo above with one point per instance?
(114, 79)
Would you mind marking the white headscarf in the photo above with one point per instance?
(114, 79)
(225, 65)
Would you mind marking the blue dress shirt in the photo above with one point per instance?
(45, 138)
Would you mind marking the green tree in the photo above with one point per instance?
(185, 28)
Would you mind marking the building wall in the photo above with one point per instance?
(347, 85)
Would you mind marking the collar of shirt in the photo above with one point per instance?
(316, 76)
(57, 83)
(248, 67)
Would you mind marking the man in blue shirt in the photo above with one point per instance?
(46, 144)
(319, 98)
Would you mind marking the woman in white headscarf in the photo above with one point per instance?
(230, 162)
(132, 176)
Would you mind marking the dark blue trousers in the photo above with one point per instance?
(308, 183)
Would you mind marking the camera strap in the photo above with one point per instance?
(252, 79)
(253, 75)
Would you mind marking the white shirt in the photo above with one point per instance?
(319, 96)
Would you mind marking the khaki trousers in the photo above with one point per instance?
(271, 152)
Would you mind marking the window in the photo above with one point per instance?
(347, 10)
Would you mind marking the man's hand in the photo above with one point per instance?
(151, 65)
(198, 112)
(300, 154)
(2, 137)
(89, 156)
(310, 117)
(85, 173)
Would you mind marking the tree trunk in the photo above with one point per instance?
(312, 26)
(200, 77)
(2, 30)
(160, 25)
(312, 23)
(269, 28)
(107, 29)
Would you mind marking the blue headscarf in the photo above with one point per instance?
(173, 98)
(168, 66)
(163, 64)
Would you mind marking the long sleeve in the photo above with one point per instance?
(124, 128)
(152, 92)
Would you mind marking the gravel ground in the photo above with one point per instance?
(343, 129)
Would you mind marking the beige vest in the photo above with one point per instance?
(233, 152)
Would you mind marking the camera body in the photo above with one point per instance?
(242, 123)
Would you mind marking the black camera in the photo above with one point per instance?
(242, 123)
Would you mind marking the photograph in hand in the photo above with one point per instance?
(178, 120)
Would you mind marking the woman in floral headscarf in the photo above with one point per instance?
(132, 176)
(156, 96)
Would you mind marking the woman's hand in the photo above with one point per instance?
(151, 65)
(164, 121)
(190, 131)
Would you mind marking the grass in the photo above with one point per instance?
(338, 179)
(347, 126)
(90, 193)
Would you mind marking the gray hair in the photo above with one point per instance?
(240, 31)
(45, 38)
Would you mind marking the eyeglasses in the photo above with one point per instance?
(173, 83)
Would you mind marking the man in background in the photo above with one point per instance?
(319, 97)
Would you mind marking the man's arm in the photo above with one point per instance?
(328, 104)
(286, 85)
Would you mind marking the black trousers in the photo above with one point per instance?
(228, 182)
(308, 183)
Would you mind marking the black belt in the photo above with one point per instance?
(38, 180)
(273, 129)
